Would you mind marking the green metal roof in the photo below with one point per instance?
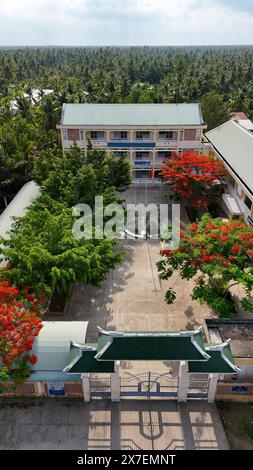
(87, 114)
(235, 146)
(63, 354)
(82, 360)
(221, 361)
(186, 345)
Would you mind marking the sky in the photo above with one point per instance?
(126, 22)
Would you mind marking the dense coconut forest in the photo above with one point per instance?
(221, 78)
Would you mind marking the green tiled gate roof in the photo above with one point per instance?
(82, 360)
(221, 361)
(114, 346)
(159, 346)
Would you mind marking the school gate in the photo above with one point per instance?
(200, 365)
(92, 370)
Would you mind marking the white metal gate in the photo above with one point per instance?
(149, 384)
(100, 386)
(198, 386)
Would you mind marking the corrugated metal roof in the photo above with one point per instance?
(53, 343)
(246, 123)
(17, 207)
(53, 376)
(87, 114)
(235, 145)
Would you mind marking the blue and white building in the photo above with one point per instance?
(143, 133)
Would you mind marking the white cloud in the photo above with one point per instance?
(124, 22)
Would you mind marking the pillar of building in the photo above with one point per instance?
(183, 381)
(39, 388)
(115, 384)
(178, 140)
(86, 387)
(153, 165)
(212, 385)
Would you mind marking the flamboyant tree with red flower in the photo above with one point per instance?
(218, 255)
(19, 326)
(192, 175)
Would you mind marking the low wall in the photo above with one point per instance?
(238, 392)
(42, 389)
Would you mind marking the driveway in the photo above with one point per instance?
(132, 297)
(102, 425)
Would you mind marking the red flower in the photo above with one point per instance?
(236, 249)
(18, 329)
(32, 359)
(193, 228)
(183, 170)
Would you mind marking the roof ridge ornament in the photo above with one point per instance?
(117, 334)
(84, 347)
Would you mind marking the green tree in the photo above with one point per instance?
(43, 253)
(218, 255)
(215, 111)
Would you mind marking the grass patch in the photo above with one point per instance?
(237, 419)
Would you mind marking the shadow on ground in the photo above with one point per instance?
(101, 425)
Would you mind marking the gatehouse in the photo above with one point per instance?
(69, 366)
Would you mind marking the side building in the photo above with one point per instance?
(143, 133)
(233, 145)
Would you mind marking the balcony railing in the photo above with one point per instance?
(140, 162)
(166, 143)
(98, 143)
(159, 161)
(190, 144)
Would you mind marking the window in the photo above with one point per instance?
(181, 135)
(141, 155)
(142, 174)
(73, 134)
(120, 135)
(97, 135)
(166, 135)
(248, 202)
(165, 154)
(231, 181)
(120, 154)
(142, 135)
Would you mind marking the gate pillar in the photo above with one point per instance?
(115, 383)
(183, 381)
(86, 387)
(212, 385)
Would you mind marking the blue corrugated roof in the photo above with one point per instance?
(184, 114)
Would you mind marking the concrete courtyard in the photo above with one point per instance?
(132, 297)
(102, 425)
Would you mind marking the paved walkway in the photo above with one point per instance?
(129, 425)
(132, 297)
